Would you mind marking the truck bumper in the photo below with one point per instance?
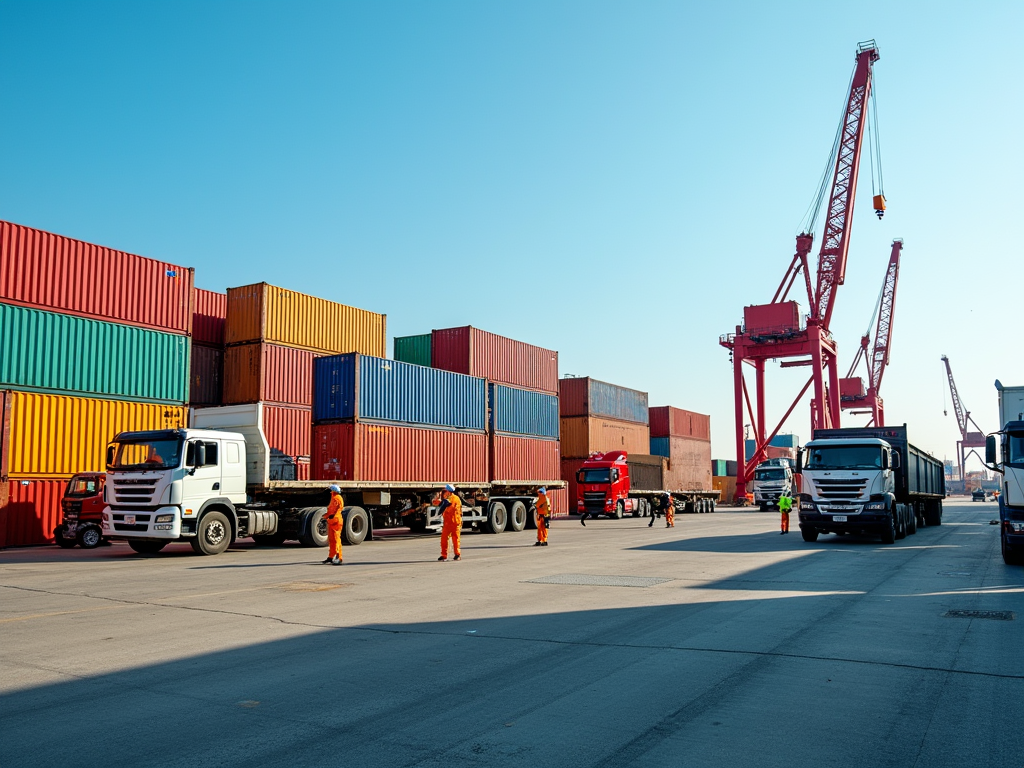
(865, 522)
(142, 523)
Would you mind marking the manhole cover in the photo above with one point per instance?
(309, 586)
(997, 615)
(587, 580)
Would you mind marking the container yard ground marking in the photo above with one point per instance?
(588, 580)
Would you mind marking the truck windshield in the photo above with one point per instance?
(83, 486)
(845, 457)
(1015, 449)
(596, 476)
(770, 474)
(147, 454)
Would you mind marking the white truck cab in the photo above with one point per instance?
(772, 479)
(171, 485)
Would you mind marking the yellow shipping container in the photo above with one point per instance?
(55, 436)
(727, 485)
(582, 435)
(263, 312)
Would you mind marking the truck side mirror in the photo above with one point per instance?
(615, 475)
(799, 460)
(990, 449)
(579, 476)
(200, 455)
(895, 460)
(110, 455)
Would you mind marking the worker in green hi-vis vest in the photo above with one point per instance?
(785, 505)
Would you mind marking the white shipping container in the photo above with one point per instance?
(1011, 404)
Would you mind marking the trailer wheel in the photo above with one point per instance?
(639, 507)
(619, 510)
(269, 539)
(713, 505)
(1010, 555)
(213, 534)
(357, 525)
(313, 530)
(889, 532)
(62, 541)
(912, 520)
(497, 517)
(517, 517)
(809, 534)
(933, 512)
(418, 524)
(531, 517)
(146, 547)
(901, 526)
(90, 537)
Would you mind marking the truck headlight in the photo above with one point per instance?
(875, 505)
(165, 518)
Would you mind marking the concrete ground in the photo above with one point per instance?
(716, 643)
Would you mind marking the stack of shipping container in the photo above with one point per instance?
(271, 338)
(723, 479)
(684, 437)
(93, 342)
(599, 417)
(209, 313)
(782, 446)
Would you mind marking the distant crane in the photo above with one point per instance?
(852, 392)
(968, 440)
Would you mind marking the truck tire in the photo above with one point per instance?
(639, 507)
(313, 529)
(763, 507)
(531, 517)
(1010, 556)
(269, 539)
(619, 510)
(213, 534)
(912, 521)
(497, 517)
(809, 534)
(933, 512)
(418, 524)
(517, 517)
(357, 525)
(901, 525)
(713, 506)
(888, 533)
(146, 547)
(89, 537)
(62, 541)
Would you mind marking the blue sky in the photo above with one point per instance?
(614, 181)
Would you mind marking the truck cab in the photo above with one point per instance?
(1011, 500)
(82, 512)
(174, 485)
(603, 485)
(772, 479)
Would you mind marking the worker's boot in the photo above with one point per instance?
(441, 559)
(325, 562)
(457, 557)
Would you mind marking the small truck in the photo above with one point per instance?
(82, 508)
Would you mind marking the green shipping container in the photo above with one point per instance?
(413, 349)
(51, 352)
(718, 468)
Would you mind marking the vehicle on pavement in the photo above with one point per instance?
(772, 479)
(978, 495)
(82, 507)
(1009, 462)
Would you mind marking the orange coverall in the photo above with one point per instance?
(670, 514)
(452, 526)
(543, 517)
(335, 523)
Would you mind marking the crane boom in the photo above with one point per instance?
(968, 440)
(883, 332)
(835, 241)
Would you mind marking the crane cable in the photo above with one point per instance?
(875, 143)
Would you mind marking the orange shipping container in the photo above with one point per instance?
(29, 511)
(726, 486)
(268, 373)
(55, 436)
(263, 312)
(582, 435)
(559, 498)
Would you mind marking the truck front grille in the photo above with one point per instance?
(593, 500)
(134, 491)
(126, 527)
(852, 489)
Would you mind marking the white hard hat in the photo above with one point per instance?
(335, 489)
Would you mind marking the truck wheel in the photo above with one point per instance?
(90, 537)
(418, 524)
(619, 510)
(933, 512)
(712, 505)
(517, 517)
(901, 526)
(357, 525)
(213, 534)
(1010, 556)
(497, 517)
(531, 517)
(809, 534)
(889, 532)
(146, 547)
(313, 530)
(912, 521)
(269, 539)
(61, 540)
(763, 507)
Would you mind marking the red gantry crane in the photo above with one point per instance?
(776, 330)
(968, 440)
(852, 394)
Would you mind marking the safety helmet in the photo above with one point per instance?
(542, 490)
(335, 489)
(449, 487)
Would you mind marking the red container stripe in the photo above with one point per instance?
(209, 313)
(559, 498)
(479, 353)
(40, 269)
(667, 421)
(523, 459)
(382, 453)
(29, 511)
(289, 429)
(268, 372)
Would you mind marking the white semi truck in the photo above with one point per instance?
(868, 480)
(214, 483)
(1009, 461)
(772, 479)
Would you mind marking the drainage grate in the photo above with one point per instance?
(997, 615)
(587, 580)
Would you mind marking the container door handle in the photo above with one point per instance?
(216, 486)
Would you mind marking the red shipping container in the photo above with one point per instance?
(383, 453)
(523, 459)
(784, 317)
(852, 387)
(289, 430)
(689, 465)
(209, 313)
(40, 269)
(559, 498)
(487, 355)
(271, 373)
(667, 421)
(569, 469)
(206, 376)
(29, 511)
(777, 452)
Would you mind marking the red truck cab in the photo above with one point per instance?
(82, 506)
(603, 485)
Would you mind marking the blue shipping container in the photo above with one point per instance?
(779, 441)
(660, 447)
(517, 411)
(396, 392)
(590, 397)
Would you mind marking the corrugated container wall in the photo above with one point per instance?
(523, 411)
(209, 314)
(47, 351)
(289, 432)
(263, 312)
(689, 465)
(207, 374)
(268, 372)
(590, 397)
(581, 436)
(391, 391)
(380, 452)
(560, 502)
(413, 349)
(29, 511)
(659, 446)
(48, 436)
(647, 473)
(523, 459)
(667, 421)
(726, 487)
(40, 269)
(475, 352)
(719, 467)
(569, 469)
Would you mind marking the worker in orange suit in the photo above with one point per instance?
(335, 522)
(670, 510)
(451, 509)
(543, 517)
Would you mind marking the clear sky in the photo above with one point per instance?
(611, 180)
